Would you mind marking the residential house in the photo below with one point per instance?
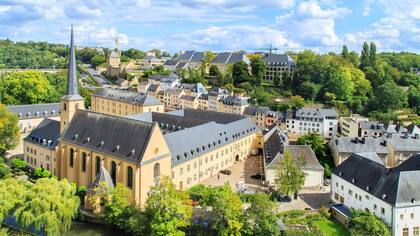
(363, 182)
(223, 59)
(350, 125)
(31, 115)
(310, 120)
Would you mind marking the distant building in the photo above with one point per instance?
(350, 125)
(377, 129)
(263, 117)
(150, 62)
(232, 104)
(362, 182)
(165, 82)
(187, 60)
(122, 102)
(276, 143)
(309, 120)
(223, 59)
(39, 147)
(113, 63)
(215, 94)
(392, 149)
(282, 63)
(31, 115)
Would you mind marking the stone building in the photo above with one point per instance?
(122, 102)
(31, 115)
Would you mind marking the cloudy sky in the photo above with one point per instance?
(219, 25)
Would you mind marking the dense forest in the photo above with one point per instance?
(32, 55)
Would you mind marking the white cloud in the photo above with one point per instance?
(311, 25)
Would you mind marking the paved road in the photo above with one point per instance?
(97, 77)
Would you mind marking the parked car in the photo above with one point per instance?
(258, 176)
(226, 172)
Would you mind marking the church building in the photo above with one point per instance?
(136, 150)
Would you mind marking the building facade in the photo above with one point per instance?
(308, 120)
(389, 193)
(122, 103)
(31, 115)
(350, 126)
(283, 64)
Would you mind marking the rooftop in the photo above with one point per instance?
(392, 185)
(127, 96)
(31, 111)
(45, 134)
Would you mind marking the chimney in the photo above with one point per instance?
(384, 143)
(406, 135)
(356, 140)
(364, 140)
(417, 136)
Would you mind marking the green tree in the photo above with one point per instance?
(48, 205)
(297, 102)
(116, 207)
(240, 72)
(18, 164)
(227, 210)
(258, 69)
(12, 194)
(41, 173)
(364, 57)
(261, 96)
(134, 53)
(345, 52)
(414, 98)
(309, 90)
(289, 177)
(98, 60)
(4, 170)
(353, 58)
(276, 79)
(27, 87)
(372, 53)
(9, 130)
(340, 85)
(365, 223)
(168, 210)
(261, 216)
(388, 98)
(156, 51)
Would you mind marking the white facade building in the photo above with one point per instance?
(393, 194)
(309, 120)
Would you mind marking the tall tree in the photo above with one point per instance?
(117, 205)
(261, 216)
(48, 205)
(258, 69)
(389, 97)
(240, 72)
(345, 52)
(372, 54)
(168, 210)
(227, 210)
(289, 176)
(9, 130)
(364, 57)
(276, 79)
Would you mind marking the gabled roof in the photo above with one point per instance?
(45, 134)
(102, 176)
(121, 137)
(235, 100)
(127, 96)
(229, 57)
(35, 110)
(272, 58)
(316, 113)
(392, 185)
(205, 115)
(188, 97)
(310, 162)
(350, 145)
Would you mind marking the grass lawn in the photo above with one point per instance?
(331, 227)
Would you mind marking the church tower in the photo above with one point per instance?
(71, 101)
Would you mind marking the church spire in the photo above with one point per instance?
(72, 92)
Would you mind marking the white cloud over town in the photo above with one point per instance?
(216, 25)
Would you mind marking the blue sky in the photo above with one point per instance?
(218, 25)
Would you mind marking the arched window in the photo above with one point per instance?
(71, 157)
(98, 164)
(156, 171)
(113, 172)
(83, 161)
(64, 106)
(129, 177)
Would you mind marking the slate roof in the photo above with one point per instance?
(117, 136)
(229, 57)
(204, 96)
(72, 92)
(349, 145)
(235, 100)
(413, 129)
(180, 65)
(127, 96)
(274, 145)
(152, 88)
(188, 97)
(392, 185)
(171, 62)
(189, 143)
(102, 176)
(195, 88)
(404, 142)
(31, 111)
(272, 58)
(313, 113)
(299, 151)
(252, 111)
(164, 78)
(204, 115)
(216, 91)
(45, 134)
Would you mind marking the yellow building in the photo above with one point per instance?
(188, 145)
(122, 102)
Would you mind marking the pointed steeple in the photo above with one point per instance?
(72, 92)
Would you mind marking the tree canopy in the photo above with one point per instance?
(9, 130)
(365, 223)
(289, 176)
